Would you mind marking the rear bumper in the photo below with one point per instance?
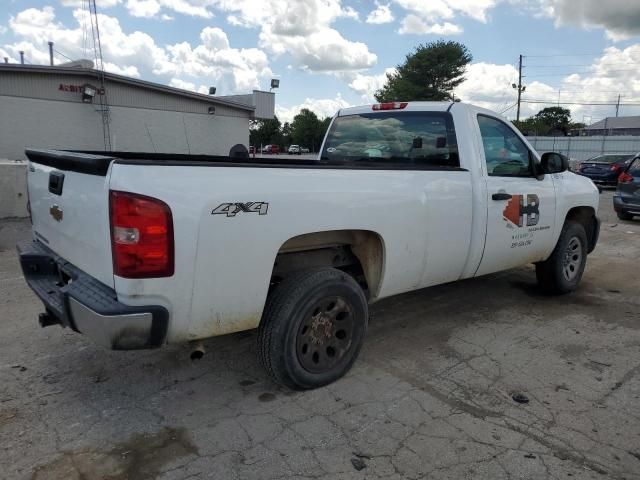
(76, 300)
(605, 179)
(626, 205)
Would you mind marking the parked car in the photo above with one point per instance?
(304, 150)
(626, 200)
(299, 251)
(605, 169)
(271, 149)
(294, 150)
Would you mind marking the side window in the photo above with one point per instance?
(505, 153)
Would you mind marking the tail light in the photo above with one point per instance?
(141, 236)
(389, 106)
(625, 178)
(615, 168)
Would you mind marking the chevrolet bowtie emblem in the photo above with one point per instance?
(56, 213)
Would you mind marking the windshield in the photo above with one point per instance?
(416, 138)
(610, 158)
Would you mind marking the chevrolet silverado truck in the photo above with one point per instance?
(137, 250)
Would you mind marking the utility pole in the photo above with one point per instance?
(50, 53)
(519, 87)
(618, 105)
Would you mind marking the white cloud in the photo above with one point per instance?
(143, 8)
(367, 85)
(82, 3)
(412, 24)
(303, 31)
(620, 18)
(128, 71)
(3, 30)
(489, 85)
(184, 85)
(213, 61)
(325, 107)
(436, 16)
(382, 14)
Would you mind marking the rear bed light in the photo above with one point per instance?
(625, 178)
(141, 236)
(389, 106)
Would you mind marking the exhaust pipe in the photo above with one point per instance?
(197, 351)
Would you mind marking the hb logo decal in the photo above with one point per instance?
(521, 214)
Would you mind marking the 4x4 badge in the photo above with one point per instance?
(231, 209)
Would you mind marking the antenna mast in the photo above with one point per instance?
(102, 93)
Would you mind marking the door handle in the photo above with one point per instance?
(501, 196)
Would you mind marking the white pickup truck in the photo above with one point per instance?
(138, 250)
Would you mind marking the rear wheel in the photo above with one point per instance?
(562, 271)
(313, 328)
(625, 216)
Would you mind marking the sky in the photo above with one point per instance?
(330, 54)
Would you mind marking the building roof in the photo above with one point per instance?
(112, 77)
(613, 123)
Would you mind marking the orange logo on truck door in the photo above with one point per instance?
(521, 214)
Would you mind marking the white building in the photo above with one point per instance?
(63, 107)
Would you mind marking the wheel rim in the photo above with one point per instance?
(325, 335)
(572, 260)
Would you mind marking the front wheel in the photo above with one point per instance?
(562, 271)
(313, 328)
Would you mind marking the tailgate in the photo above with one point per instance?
(69, 197)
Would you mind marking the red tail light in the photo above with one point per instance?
(615, 168)
(141, 236)
(389, 106)
(625, 178)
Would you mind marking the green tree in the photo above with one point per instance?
(555, 117)
(431, 72)
(286, 134)
(265, 132)
(305, 129)
(547, 120)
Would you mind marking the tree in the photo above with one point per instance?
(286, 134)
(547, 121)
(431, 72)
(305, 129)
(555, 117)
(265, 132)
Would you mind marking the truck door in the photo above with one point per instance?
(520, 207)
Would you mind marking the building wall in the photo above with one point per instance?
(38, 123)
(47, 86)
(13, 189)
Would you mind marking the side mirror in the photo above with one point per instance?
(553, 162)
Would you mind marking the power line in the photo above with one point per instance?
(555, 102)
(63, 55)
(584, 65)
(565, 55)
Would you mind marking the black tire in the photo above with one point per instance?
(562, 271)
(312, 328)
(624, 216)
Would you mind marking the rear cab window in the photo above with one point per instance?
(420, 140)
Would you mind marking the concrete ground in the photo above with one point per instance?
(429, 397)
